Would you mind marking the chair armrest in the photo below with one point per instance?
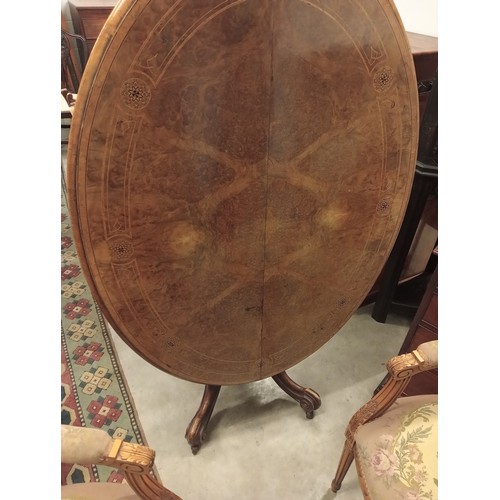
(401, 368)
(429, 351)
(423, 358)
(84, 446)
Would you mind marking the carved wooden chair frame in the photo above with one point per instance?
(400, 370)
(135, 461)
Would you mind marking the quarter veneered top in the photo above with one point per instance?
(238, 172)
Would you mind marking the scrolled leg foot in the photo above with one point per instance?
(196, 431)
(308, 399)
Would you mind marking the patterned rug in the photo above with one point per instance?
(93, 390)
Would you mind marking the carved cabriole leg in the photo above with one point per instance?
(136, 462)
(196, 430)
(308, 399)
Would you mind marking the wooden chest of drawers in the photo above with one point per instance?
(424, 328)
(89, 18)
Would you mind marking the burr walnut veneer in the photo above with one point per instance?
(238, 172)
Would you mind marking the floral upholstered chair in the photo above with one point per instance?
(85, 446)
(395, 439)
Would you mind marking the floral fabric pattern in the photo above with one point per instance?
(397, 452)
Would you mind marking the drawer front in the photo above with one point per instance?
(92, 21)
(422, 335)
(431, 314)
(423, 383)
(425, 65)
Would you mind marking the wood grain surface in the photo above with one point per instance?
(238, 171)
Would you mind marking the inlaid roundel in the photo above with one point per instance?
(238, 173)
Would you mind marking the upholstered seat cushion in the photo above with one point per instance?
(396, 454)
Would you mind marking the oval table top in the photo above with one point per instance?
(238, 171)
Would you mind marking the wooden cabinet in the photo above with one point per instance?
(89, 18)
(425, 57)
(424, 328)
(410, 262)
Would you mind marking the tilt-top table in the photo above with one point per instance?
(238, 172)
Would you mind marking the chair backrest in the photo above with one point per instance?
(74, 55)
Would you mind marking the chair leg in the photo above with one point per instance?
(345, 462)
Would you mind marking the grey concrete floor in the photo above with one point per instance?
(259, 445)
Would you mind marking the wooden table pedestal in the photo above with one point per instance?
(196, 431)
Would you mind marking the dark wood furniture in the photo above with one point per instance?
(238, 179)
(424, 328)
(424, 194)
(425, 56)
(89, 17)
(70, 75)
(73, 49)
